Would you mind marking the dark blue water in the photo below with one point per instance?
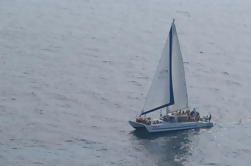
(74, 72)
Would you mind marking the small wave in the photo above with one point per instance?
(184, 13)
(135, 83)
(107, 61)
(231, 82)
(93, 50)
(225, 73)
(210, 163)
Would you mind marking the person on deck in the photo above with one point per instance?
(209, 117)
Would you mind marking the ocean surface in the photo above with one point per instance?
(73, 72)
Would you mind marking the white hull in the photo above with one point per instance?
(170, 126)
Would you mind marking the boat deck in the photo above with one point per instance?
(171, 126)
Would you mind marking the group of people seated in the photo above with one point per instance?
(144, 120)
(182, 116)
(178, 116)
(191, 115)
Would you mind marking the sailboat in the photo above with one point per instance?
(168, 92)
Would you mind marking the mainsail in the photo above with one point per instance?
(178, 76)
(168, 88)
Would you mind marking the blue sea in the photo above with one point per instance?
(73, 72)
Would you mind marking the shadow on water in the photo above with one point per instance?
(167, 148)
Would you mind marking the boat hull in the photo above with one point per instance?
(136, 125)
(171, 126)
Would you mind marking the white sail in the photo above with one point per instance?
(168, 88)
(178, 75)
(159, 94)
